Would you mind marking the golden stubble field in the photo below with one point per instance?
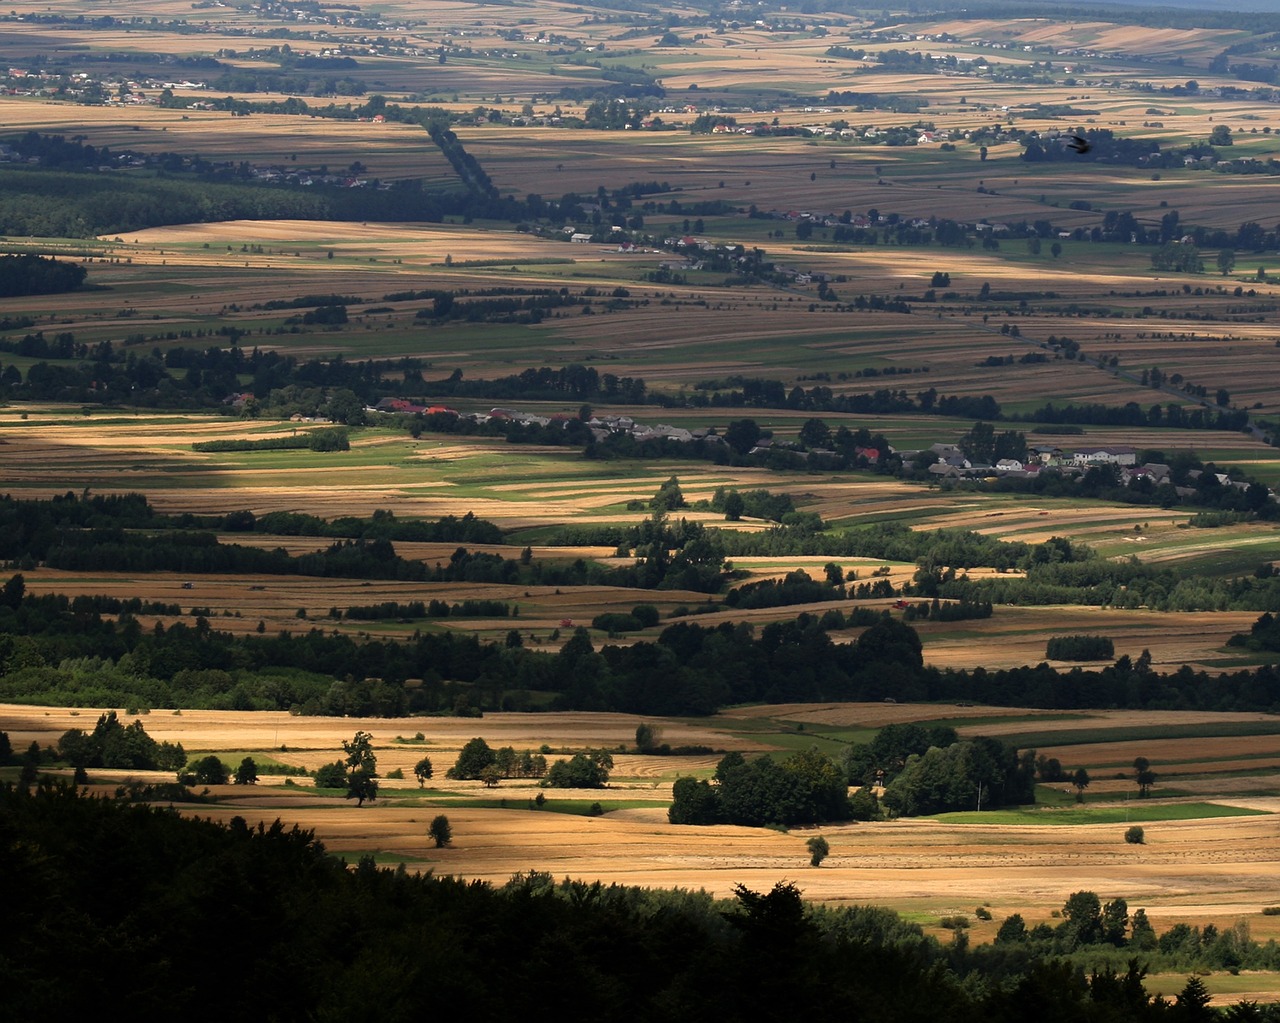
(388, 151)
(686, 333)
(52, 451)
(1220, 870)
(669, 344)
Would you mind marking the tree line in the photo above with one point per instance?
(29, 526)
(48, 655)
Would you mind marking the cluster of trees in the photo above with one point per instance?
(323, 80)
(964, 775)
(573, 382)
(113, 744)
(756, 504)
(1133, 414)
(76, 205)
(1079, 648)
(1110, 929)
(928, 769)
(1113, 584)
(357, 773)
(642, 616)
(329, 439)
(951, 611)
(773, 394)
(1105, 482)
(532, 309)
(477, 760)
(880, 760)
(796, 587)
(807, 788)
(210, 770)
(588, 770)
(31, 527)
(467, 167)
(424, 609)
(981, 444)
(198, 553)
(894, 541)
(321, 917)
(38, 275)
(1264, 634)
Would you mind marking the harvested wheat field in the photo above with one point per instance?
(388, 151)
(1219, 870)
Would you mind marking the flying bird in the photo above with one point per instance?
(1075, 142)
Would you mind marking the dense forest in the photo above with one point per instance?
(38, 275)
(301, 935)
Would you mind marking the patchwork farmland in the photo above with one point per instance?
(826, 225)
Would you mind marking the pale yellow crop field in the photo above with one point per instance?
(51, 452)
(388, 151)
(1219, 871)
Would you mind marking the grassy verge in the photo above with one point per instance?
(1132, 814)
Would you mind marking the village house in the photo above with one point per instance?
(1104, 456)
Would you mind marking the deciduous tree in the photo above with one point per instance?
(247, 772)
(362, 768)
(1144, 776)
(210, 770)
(818, 849)
(332, 776)
(473, 758)
(440, 831)
(1081, 782)
(362, 784)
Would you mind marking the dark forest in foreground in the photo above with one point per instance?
(178, 916)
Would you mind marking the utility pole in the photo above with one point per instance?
(979, 796)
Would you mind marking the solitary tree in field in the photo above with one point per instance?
(247, 772)
(422, 770)
(359, 752)
(1081, 781)
(818, 849)
(1144, 776)
(440, 832)
(362, 774)
(647, 737)
(362, 784)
